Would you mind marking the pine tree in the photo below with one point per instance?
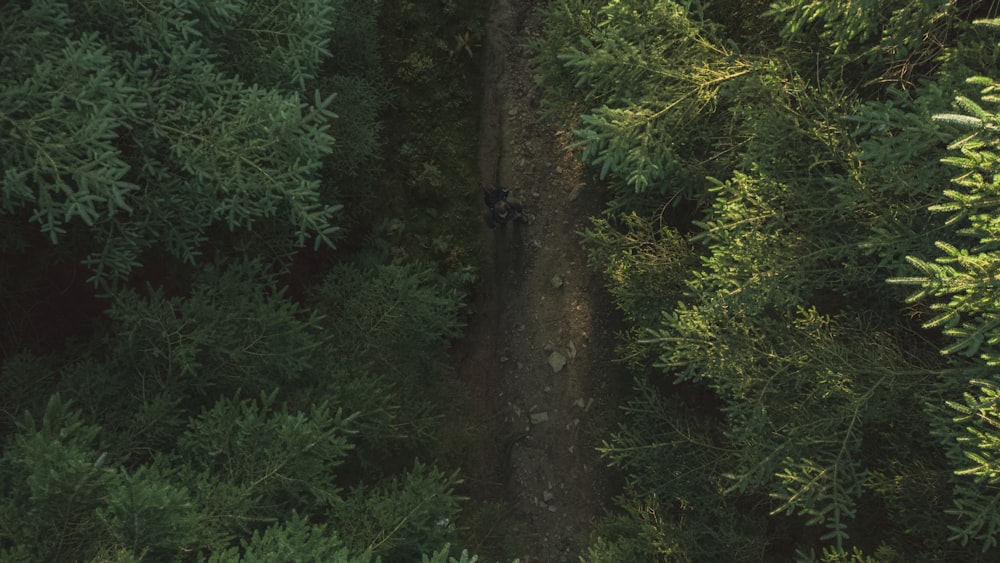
(824, 179)
(389, 325)
(653, 76)
(401, 518)
(151, 516)
(961, 285)
(139, 140)
(295, 539)
(54, 476)
(881, 41)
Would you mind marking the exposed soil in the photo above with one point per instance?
(537, 301)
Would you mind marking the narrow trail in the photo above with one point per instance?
(538, 302)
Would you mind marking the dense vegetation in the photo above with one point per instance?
(225, 315)
(225, 318)
(802, 228)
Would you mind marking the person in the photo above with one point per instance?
(503, 208)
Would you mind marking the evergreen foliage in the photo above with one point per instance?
(139, 139)
(401, 518)
(633, 134)
(808, 407)
(407, 314)
(294, 540)
(643, 261)
(278, 459)
(895, 39)
(226, 406)
(975, 504)
(675, 512)
(54, 477)
(965, 276)
(150, 516)
(960, 283)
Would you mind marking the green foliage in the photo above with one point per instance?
(423, 208)
(26, 381)
(899, 176)
(798, 403)
(893, 38)
(620, 539)
(565, 23)
(798, 373)
(642, 129)
(222, 415)
(280, 459)
(400, 518)
(832, 555)
(278, 389)
(138, 140)
(356, 130)
(150, 516)
(672, 506)
(59, 151)
(276, 43)
(443, 556)
(53, 476)
(165, 358)
(965, 275)
(960, 285)
(642, 262)
(406, 313)
(237, 465)
(355, 73)
(293, 540)
(976, 503)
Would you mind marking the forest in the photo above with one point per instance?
(236, 243)
(801, 227)
(225, 315)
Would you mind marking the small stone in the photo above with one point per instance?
(589, 402)
(572, 350)
(557, 361)
(581, 402)
(548, 347)
(547, 496)
(552, 509)
(575, 193)
(572, 449)
(556, 281)
(539, 417)
(512, 112)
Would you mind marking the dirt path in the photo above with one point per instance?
(537, 305)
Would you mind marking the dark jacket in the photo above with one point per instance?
(495, 195)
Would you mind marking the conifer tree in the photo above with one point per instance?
(54, 476)
(961, 284)
(137, 137)
(824, 179)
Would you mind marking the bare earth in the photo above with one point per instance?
(537, 302)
